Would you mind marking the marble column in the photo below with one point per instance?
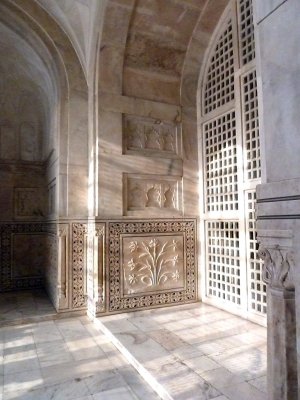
(95, 269)
(282, 349)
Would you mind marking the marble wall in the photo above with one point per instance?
(278, 196)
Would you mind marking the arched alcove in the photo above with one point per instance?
(44, 153)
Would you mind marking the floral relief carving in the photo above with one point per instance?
(79, 255)
(151, 263)
(154, 264)
(150, 135)
(278, 267)
(153, 192)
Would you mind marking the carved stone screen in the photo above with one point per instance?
(231, 167)
(151, 263)
(219, 85)
(257, 288)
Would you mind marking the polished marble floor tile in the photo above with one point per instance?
(194, 352)
(115, 394)
(65, 360)
(190, 352)
(23, 306)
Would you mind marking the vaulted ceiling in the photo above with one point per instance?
(81, 20)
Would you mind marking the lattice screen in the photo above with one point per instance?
(223, 261)
(221, 163)
(251, 128)
(257, 289)
(246, 31)
(230, 133)
(219, 86)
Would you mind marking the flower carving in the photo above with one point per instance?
(132, 279)
(153, 262)
(133, 246)
(175, 275)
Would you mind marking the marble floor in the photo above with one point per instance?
(193, 351)
(66, 359)
(184, 352)
(25, 306)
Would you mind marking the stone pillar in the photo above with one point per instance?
(95, 270)
(278, 273)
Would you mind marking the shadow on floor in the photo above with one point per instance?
(25, 306)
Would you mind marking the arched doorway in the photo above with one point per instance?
(43, 118)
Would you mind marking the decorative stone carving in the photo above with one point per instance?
(152, 193)
(63, 289)
(28, 203)
(79, 255)
(278, 267)
(8, 252)
(150, 136)
(278, 272)
(151, 263)
(100, 285)
(96, 272)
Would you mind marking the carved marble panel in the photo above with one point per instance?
(28, 255)
(151, 263)
(153, 194)
(149, 136)
(79, 264)
(28, 203)
(21, 261)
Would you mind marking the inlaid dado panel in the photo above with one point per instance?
(153, 194)
(151, 263)
(149, 136)
(79, 264)
(28, 203)
(23, 255)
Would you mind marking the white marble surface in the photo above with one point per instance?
(24, 306)
(193, 351)
(265, 7)
(65, 360)
(279, 70)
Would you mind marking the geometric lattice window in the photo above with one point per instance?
(231, 167)
(223, 261)
(221, 163)
(257, 289)
(251, 128)
(219, 85)
(247, 44)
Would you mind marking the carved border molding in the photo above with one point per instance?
(117, 301)
(100, 269)
(79, 256)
